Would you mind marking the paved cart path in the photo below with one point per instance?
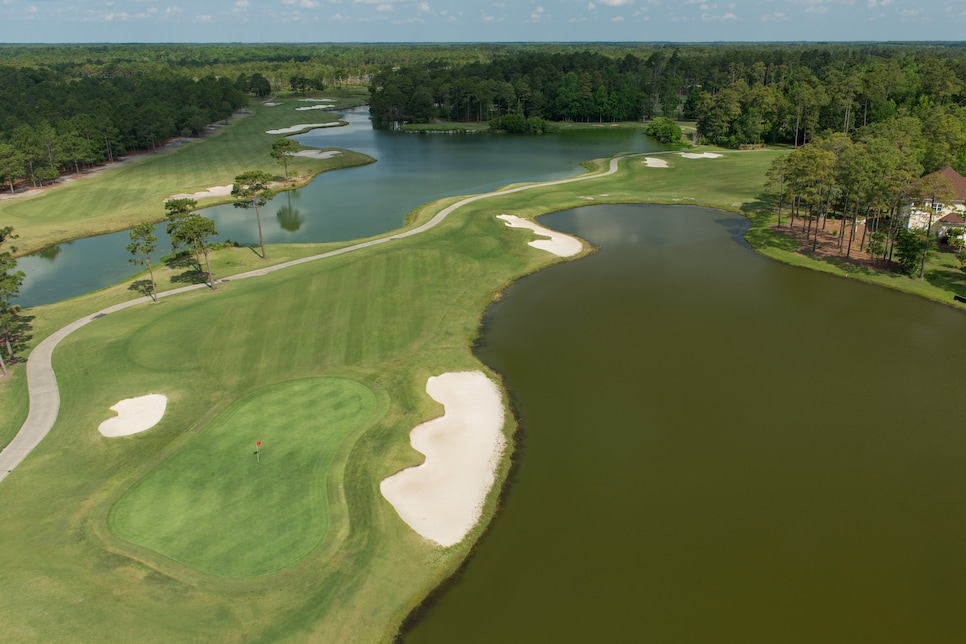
(42, 383)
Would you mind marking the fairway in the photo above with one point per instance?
(217, 508)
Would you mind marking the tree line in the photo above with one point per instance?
(870, 179)
(51, 124)
(739, 95)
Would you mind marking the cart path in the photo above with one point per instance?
(42, 383)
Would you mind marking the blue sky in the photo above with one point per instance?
(481, 20)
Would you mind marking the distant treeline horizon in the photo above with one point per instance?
(65, 107)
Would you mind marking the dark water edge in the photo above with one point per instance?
(717, 447)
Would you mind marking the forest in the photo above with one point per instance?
(867, 125)
(739, 96)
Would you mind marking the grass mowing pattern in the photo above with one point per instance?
(213, 507)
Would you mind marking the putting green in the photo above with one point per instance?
(214, 507)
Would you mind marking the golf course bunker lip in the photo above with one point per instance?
(702, 155)
(301, 127)
(134, 415)
(318, 154)
(314, 107)
(558, 244)
(651, 162)
(442, 499)
(214, 191)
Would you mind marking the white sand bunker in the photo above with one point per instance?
(317, 100)
(302, 127)
(214, 191)
(703, 155)
(651, 162)
(315, 107)
(443, 498)
(318, 154)
(134, 415)
(271, 104)
(558, 244)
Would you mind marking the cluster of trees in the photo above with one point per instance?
(11, 322)
(664, 130)
(739, 95)
(191, 231)
(51, 124)
(871, 179)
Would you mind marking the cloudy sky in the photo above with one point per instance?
(480, 20)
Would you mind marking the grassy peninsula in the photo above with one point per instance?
(80, 556)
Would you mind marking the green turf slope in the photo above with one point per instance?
(218, 507)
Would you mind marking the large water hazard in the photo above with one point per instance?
(716, 447)
(410, 170)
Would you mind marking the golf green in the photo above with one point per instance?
(218, 507)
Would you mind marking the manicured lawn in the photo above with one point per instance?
(81, 557)
(217, 507)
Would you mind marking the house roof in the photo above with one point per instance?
(958, 180)
(952, 218)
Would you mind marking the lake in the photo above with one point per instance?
(715, 447)
(411, 170)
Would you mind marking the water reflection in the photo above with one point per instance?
(289, 217)
(51, 252)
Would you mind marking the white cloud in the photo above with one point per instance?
(727, 17)
(591, 6)
(778, 16)
(423, 7)
(617, 19)
(708, 7)
(615, 3)
(240, 6)
(385, 7)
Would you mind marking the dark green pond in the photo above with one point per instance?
(716, 447)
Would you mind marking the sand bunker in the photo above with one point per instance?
(703, 155)
(315, 107)
(651, 162)
(301, 127)
(134, 415)
(318, 154)
(215, 191)
(558, 244)
(271, 104)
(443, 498)
(317, 100)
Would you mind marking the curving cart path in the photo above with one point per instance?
(42, 383)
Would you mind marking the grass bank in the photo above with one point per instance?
(122, 195)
